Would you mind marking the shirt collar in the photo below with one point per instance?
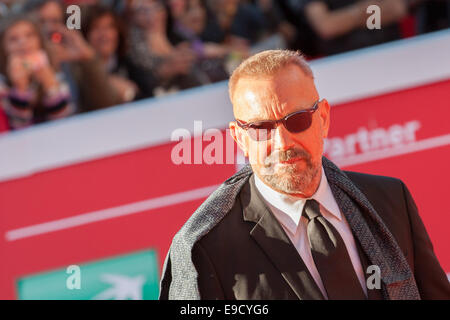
(292, 207)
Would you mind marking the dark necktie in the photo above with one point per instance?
(331, 257)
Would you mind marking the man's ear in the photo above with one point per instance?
(239, 136)
(324, 113)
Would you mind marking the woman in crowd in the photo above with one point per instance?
(240, 22)
(30, 89)
(188, 20)
(74, 57)
(106, 34)
(160, 66)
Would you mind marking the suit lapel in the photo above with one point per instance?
(376, 241)
(272, 239)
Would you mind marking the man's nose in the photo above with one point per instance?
(281, 138)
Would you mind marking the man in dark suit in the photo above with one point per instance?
(292, 225)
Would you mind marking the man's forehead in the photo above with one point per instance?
(268, 97)
(255, 104)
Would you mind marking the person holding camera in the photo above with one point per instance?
(74, 57)
(31, 91)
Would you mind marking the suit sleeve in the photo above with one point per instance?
(207, 280)
(166, 279)
(430, 277)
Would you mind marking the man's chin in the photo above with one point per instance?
(290, 170)
(281, 179)
(289, 179)
(287, 186)
(285, 168)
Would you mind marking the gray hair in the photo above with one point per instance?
(267, 63)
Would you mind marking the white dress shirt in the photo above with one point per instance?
(288, 211)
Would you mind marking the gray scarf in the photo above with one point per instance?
(179, 280)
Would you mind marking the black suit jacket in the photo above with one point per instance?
(249, 256)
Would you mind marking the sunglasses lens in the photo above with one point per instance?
(261, 131)
(299, 122)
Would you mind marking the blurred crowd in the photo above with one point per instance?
(127, 50)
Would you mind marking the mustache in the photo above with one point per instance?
(281, 156)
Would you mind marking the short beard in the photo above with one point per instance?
(289, 179)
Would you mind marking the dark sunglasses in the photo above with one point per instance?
(294, 122)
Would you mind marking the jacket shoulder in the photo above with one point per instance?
(386, 194)
(389, 198)
(381, 185)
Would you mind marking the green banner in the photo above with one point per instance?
(126, 277)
